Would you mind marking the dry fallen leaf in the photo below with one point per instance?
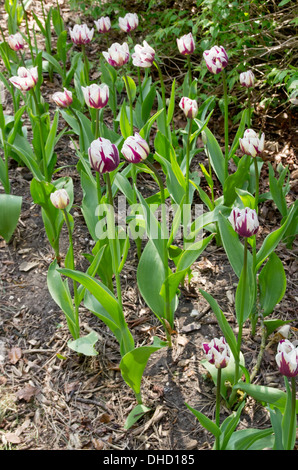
(26, 266)
(27, 393)
(15, 355)
(12, 438)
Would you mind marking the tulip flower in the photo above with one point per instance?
(117, 55)
(216, 59)
(81, 34)
(26, 78)
(63, 99)
(60, 198)
(186, 44)
(247, 79)
(135, 149)
(217, 352)
(287, 358)
(96, 96)
(244, 221)
(189, 107)
(129, 23)
(251, 143)
(103, 155)
(143, 55)
(103, 24)
(16, 42)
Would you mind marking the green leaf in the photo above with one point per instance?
(137, 413)
(215, 153)
(270, 395)
(272, 284)
(124, 122)
(171, 106)
(236, 180)
(251, 439)
(132, 87)
(133, 364)
(248, 290)
(229, 425)
(205, 422)
(10, 210)
(85, 344)
(272, 324)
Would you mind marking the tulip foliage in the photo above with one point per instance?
(142, 140)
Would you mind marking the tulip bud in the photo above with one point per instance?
(117, 54)
(247, 79)
(216, 59)
(26, 78)
(217, 352)
(186, 44)
(62, 99)
(60, 199)
(16, 41)
(103, 155)
(287, 358)
(251, 144)
(189, 107)
(135, 149)
(81, 34)
(129, 23)
(244, 221)
(96, 96)
(143, 55)
(103, 25)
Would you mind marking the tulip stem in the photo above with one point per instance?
(217, 409)
(114, 250)
(128, 90)
(257, 184)
(28, 31)
(163, 94)
(86, 65)
(76, 333)
(292, 427)
(189, 74)
(140, 85)
(187, 175)
(168, 318)
(45, 165)
(226, 116)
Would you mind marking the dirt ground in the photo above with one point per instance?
(53, 399)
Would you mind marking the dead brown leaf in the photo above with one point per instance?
(27, 393)
(15, 355)
(12, 438)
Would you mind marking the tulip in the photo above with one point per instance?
(16, 42)
(251, 144)
(129, 23)
(81, 34)
(247, 79)
(186, 44)
(135, 149)
(117, 55)
(26, 78)
(60, 199)
(62, 99)
(244, 221)
(216, 59)
(143, 55)
(189, 107)
(217, 352)
(287, 358)
(103, 25)
(103, 155)
(96, 96)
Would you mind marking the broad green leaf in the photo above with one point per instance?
(137, 413)
(205, 422)
(133, 364)
(251, 439)
(272, 284)
(229, 425)
(276, 420)
(132, 87)
(236, 180)
(171, 106)
(10, 210)
(85, 344)
(124, 122)
(246, 289)
(270, 395)
(215, 153)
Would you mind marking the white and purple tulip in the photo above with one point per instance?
(117, 55)
(16, 42)
(217, 352)
(26, 78)
(63, 99)
(129, 23)
(287, 358)
(103, 24)
(60, 198)
(103, 155)
(135, 149)
(189, 107)
(81, 34)
(244, 221)
(247, 79)
(143, 55)
(216, 59)
(96, 96)
(251, 143)
(186, 44)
